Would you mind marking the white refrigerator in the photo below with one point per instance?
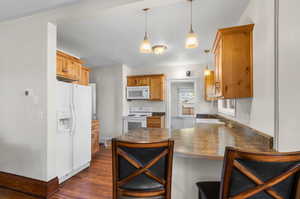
(73, 108)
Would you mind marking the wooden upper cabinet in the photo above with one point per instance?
(138, 81)
(69, 68)
(156, 84)
(157, 87)
(85, 76)
(233, 60)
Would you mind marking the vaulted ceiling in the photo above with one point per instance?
(10, 9)
(113, 36)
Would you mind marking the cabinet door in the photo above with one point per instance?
(59, 65)
(218, 74)
(210, 86)
(77, 70)
(84, 76)
(142, 81)
(138, 81)
(153, 122)
(131, 81)
(157, 88)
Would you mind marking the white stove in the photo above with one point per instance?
(137, 118)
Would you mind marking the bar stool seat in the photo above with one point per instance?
(209, 190)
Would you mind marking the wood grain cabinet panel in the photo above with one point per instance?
(84, 76)
(157, 88)
(70, 69)
(95, 137)
(233, 60)
(156, 122)
(209, 86)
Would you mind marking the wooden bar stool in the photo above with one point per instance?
(142, 170)
(255, 176)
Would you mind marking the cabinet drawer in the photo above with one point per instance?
(155, 122)
(154, 125)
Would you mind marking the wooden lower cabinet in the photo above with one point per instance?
(95, 137)
(156, 122)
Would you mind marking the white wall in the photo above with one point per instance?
(24, 63)
(289, 70)
(109, 81)
(51, 102)
(258, 112)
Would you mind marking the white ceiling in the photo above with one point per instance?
(113, 36)
(17, 8)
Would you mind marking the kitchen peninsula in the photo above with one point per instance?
(198, 152)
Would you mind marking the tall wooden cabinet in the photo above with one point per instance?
(69, 68)
(156, 84)
(233, 60)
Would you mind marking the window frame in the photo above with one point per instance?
(227, 111)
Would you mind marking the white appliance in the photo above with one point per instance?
(94, 102)
(137, 118)
(138, 92)
(73, 145)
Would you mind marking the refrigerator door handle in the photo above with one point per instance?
(73, 113)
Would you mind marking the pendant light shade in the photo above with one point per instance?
(146, 47)
(191, 39)
(207, 71)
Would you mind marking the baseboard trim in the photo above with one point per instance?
(29, 186)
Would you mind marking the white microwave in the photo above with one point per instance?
(138, 92)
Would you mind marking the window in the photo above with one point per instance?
(186, 101)
(227, 106)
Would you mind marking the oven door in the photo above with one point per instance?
(138, 92)
(135, 123)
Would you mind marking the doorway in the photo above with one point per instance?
(181, 103)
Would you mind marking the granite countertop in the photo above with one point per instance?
(204, 141)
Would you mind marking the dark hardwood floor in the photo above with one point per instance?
(92, 183)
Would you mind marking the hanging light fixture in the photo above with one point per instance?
(146, 45)
(207, 71)
(191, 39)
(159, 49)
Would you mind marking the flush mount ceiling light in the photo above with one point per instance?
(146, 45)
(159, 49)
(191, 39)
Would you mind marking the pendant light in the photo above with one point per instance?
(207, 71)
(146, 47)
(191, 39)
(159, 49)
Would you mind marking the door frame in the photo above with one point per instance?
(169, 101)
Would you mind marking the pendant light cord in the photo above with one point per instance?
(146, 23)
(191, 17)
